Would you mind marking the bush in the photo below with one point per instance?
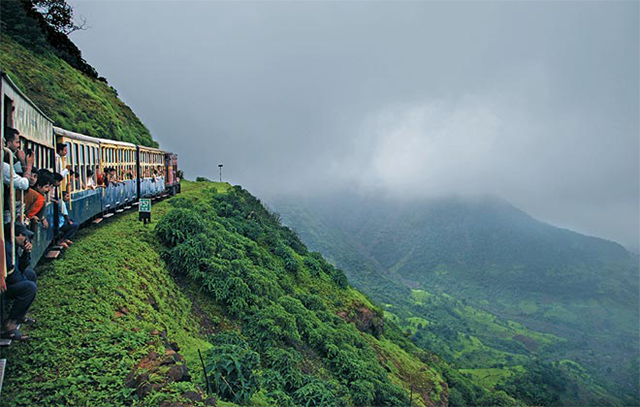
(339, 278)
(315, 393)
(178, 225)
(231, 365)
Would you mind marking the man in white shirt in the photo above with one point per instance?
(12, 141)
(61, 151)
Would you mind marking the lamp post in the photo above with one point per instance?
(220, 166)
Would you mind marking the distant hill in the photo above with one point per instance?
(50, 70)
(485, 255)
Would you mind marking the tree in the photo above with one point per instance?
(59, 15)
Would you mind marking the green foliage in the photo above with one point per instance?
(317, 394)
(232, 367)
(179, 225)
(339, 278)
(479, 266)
(69, 97)
(96, 308)
(284, 298)
(540, 384)
(275, 336)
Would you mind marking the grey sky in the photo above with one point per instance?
(537, 102)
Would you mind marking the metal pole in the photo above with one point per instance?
(206, 377)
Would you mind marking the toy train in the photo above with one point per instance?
(142, 172)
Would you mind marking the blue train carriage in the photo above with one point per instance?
(151, 172)
(171, 180)
(122, 191)
(84, 158)
(36, 130)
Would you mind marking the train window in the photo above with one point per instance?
(69, 158)
(83, 165)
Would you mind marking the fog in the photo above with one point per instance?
(536, 102)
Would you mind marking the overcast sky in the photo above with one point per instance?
(537, 102)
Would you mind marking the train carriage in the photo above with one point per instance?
(36, 130)
(122, 157)
(83, 155)
(171, 181)
(151, 172)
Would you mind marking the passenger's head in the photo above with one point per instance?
(57, 179)
(34, 177)
(12, 139)
(66, 196)
(45, 181)
(89, 172)
(62, 149)
(22, 234)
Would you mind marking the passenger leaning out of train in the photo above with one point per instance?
(33, 179)
(91, 183)
(34, 199)
(76, 179)
(68, 228)
(23, 162)
(112, 176)
(56, 182)
(61, 152)
(101, 178)
(20, 282)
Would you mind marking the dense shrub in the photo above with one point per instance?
(178, 225)
(317, 394)
(232, 367)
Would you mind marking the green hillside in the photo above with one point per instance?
(216, 272)
(487, 287)
(38, 61)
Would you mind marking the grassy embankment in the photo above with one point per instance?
(71, 99)
(98, 310)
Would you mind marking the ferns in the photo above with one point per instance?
(232, 364)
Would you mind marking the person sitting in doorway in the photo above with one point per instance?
(20, 282)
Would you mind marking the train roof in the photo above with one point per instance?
(78, 136)
(70, 134)
(152, 149)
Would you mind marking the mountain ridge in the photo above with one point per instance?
(495, 257)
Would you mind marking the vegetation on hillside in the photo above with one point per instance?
(314, 339)
(50, 70)
(277, 325)
(464, 278)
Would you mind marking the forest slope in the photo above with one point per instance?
(459, 273)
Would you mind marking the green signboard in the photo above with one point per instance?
(145, 205)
